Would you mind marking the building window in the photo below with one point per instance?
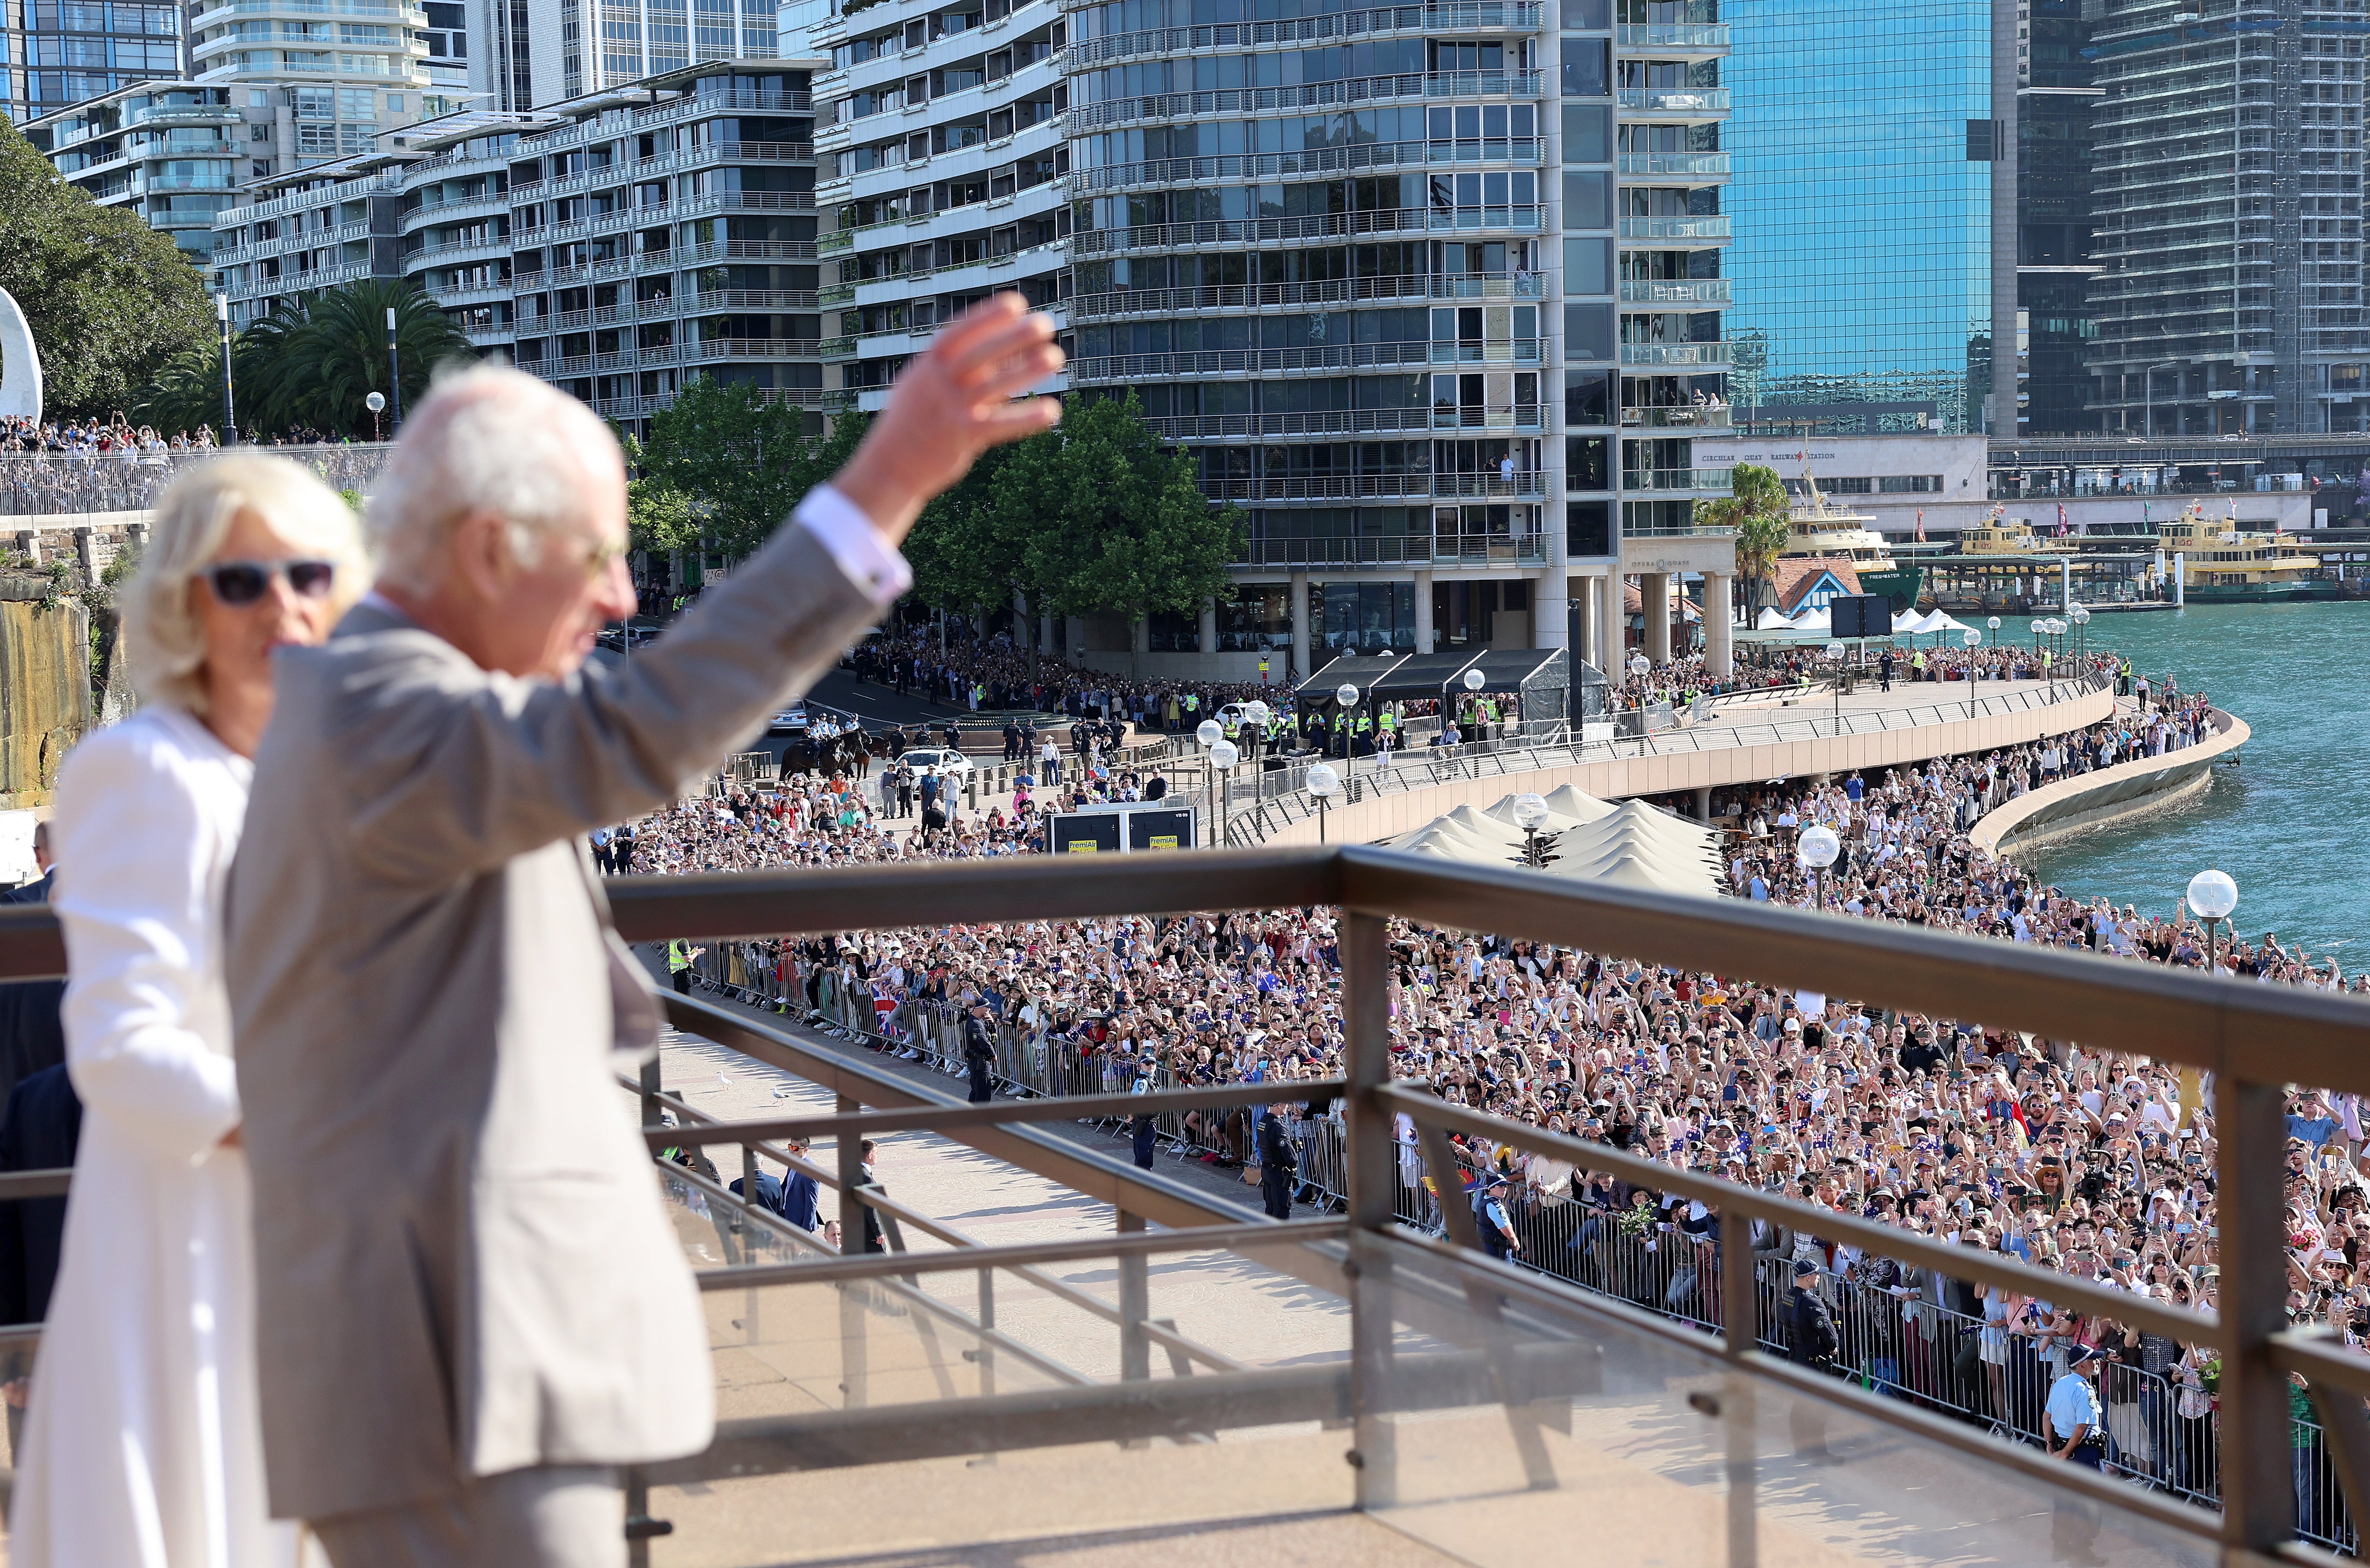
(1369, 617)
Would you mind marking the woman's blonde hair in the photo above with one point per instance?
(194, 516)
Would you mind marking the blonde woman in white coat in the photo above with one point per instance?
(142, 1447)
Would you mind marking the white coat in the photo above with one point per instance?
(143, 1446)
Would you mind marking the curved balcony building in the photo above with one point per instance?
(941, 149)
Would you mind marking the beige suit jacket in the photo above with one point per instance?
(464, 1265)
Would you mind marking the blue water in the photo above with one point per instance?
(2291, 824)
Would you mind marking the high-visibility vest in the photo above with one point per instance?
(678, 955)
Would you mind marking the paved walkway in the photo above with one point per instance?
(1641, 1478)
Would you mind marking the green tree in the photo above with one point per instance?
(1097, 517)
(1757, 508)
(311, 364)
(738, 461)
(109, 300)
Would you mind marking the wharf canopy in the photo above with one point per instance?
(1631, 844)
(1539, 678)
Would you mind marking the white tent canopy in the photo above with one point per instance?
(1630, 844)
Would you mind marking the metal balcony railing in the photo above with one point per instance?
(1486, 1335)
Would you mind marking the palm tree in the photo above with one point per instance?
(335, 356)
(1757, 508)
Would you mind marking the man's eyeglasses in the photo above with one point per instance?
(239, 583)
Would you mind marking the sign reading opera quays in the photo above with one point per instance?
(1888, 479)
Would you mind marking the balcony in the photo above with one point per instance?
(1347, 421)
(1459, 16)
(1709, 227)
(1315, 94)
(1674, 354)
(1254, 231)
(1683, 417)
(1267, 296)
(1372, 1368)
(1675, 166)
(1530, 485)
(1676, 291)
(1399, 550)
(1689, 479)
(1503, 353)
(1680, 40)
(1687, 105)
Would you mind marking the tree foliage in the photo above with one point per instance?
(109, 300)
(1756, 506)
(736, 463)
(1092, 517)
(312, 365)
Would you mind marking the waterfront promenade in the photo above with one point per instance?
(1865, 731)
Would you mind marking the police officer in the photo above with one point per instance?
(1498, 1238)
(1279, 1164)
(1146, 1129)
(2076, 1429)
(979, 1053)
(679, 957)
(1811, 1341)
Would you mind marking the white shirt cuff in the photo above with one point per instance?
(840, 525)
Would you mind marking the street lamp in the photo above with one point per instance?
(230, 412)
(2081, 615)
(1223, 757)
(1208, 732)
(1323, 784)
(1818, 848)
(1345, 698)
(2212, 895)
(393, 369)
(1972, 637)
(375, 402)
(1530, 816)
(1835, 650)
(1993, 623)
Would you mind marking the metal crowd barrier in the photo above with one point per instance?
(1898, 1342)
(58, 484)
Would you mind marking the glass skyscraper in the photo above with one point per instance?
(1862, 213)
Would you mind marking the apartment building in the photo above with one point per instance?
(2227, 178)
(57, 53)
(616, 244)
(319, 80)
(1431, 292)
(167, 151)
(941, 148)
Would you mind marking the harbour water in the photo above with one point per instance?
(2291, 824)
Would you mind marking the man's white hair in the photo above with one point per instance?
(487, 440)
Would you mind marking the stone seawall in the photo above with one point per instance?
(44, 687)
(2073, 805)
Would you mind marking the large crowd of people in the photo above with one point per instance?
(113, 465)
(2095, 1165)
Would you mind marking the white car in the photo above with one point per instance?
(1233, 713)
(792, 720)
(926, 762)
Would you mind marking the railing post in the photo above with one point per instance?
(2257, 1490)
(853, 1360)
(1366, 960)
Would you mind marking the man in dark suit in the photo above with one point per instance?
(979, 1053)
(1279, 1164)
(794, 1196)
(31, 1038)
(37, 1132)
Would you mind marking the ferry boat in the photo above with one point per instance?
(1999, 536)
(2223, 564)
(1820, 527)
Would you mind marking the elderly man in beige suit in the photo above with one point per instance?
(471, 1304)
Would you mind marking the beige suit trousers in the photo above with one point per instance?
(547, 1517)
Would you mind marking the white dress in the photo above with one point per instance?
(143, 1446)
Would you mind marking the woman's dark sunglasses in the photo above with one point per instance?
(243, 583)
